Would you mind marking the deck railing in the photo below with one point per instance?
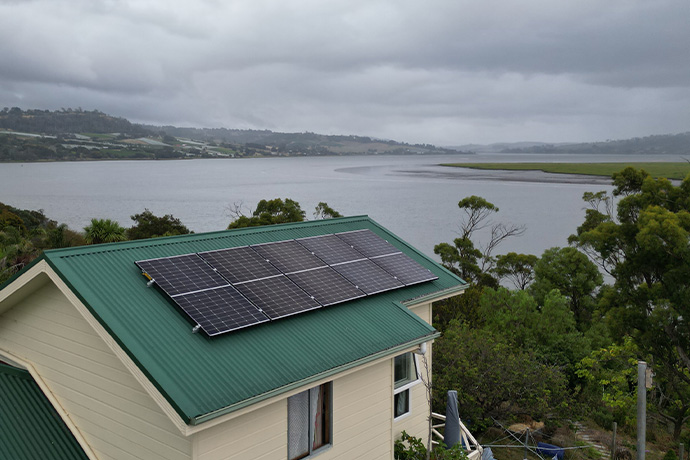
(474, 450)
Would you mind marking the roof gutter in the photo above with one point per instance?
(314, 378)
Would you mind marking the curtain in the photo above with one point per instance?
(298, 429)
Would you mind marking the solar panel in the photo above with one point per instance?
(330, 249)
(368, 276)
(220, 310)
(326, 286)
(240, 264)
(181, 274)
(232, 288)
(288, 256)
(368, 243)
(277, 297)
(404, 269)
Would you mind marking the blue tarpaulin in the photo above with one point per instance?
(550, 450)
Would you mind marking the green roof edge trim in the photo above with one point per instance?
(122, 346)
(434, 295)
(314, 378)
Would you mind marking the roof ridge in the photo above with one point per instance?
(203, 236)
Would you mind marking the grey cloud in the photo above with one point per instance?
(446, 72)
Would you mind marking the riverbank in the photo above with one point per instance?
(669, 170)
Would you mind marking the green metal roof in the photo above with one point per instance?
(29, 426)
(203, 377)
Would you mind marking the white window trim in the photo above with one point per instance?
(406, 387)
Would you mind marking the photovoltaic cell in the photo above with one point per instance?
(181, 274)
(277, 297)
(368, 243)
(288, 256)
(326, 286)
(220, 310)
(233, 288)
(404, 269)
(240, 264)
(330, 249)
(368, 276)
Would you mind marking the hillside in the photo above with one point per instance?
(75, 134)
(66, 121)
(666, 144)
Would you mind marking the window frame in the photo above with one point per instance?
(328, 419)
(414, 366)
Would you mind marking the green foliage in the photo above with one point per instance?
(613, 371)
(269, 212)
(412, 448)
(148, 225)
(494, 377)
(463, 258)
(516, 268)
(323, 211)
(463, 308)
(549, 330)
(104, 231)
(670, 455)
(15, 252)
(646, 248)
(574, 275)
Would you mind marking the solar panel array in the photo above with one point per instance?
(230, 289)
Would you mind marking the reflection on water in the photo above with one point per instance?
(412, 196)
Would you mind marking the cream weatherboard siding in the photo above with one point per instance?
(416, 423)
(113, 413)
(362, 416)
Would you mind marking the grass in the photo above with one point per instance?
(661, 169)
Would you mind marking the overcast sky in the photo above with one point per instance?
(445, 72)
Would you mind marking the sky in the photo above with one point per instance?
(444, 72)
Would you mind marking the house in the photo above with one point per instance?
(127, 368)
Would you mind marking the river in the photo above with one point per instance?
(412, 196)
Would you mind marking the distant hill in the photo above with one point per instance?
(499, 147)
(66, 121)
(663, 144)
(75, 135)
(298, 143)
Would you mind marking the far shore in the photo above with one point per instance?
(669, 170)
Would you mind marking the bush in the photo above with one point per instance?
(411, 448)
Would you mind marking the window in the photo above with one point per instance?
(405, 376)
(309, 421)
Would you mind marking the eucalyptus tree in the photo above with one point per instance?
(474, 262)
(645, 247)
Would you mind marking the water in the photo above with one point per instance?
(412, 196)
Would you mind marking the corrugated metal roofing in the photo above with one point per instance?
(200, 375)
(29, 426)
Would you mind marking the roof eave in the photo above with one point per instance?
(436, 296)
(314, 378)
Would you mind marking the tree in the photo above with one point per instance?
(493, 377)
(15, 252)
(612, 371)
(548, 329)
(516, 268)
(323, 211)
(104, 231)
(148, 225)
(646, 248)
(471, 263)
(269, 212)
(574, 275)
